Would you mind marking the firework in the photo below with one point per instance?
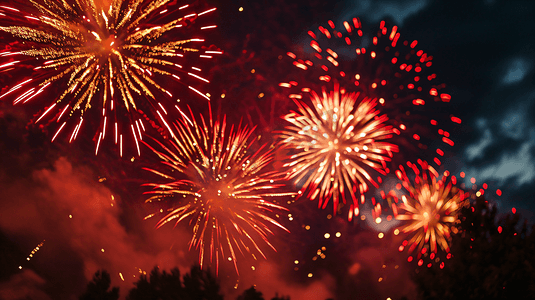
(335, 144)
(430, 209)
(218, 181)
(380, 66)
(105, 58)
(34, 251)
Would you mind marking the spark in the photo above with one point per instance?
(34, 251)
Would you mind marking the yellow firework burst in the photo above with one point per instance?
(335, 144)
(217, 181)
(105, 54)
(431, 208)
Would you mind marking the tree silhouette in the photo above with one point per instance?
(491, 259)
(251, 294)
(197, 285)
(277, 297)
(201, 285)
(98, 288)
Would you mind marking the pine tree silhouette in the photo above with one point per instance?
(98, 288)
(251, 294)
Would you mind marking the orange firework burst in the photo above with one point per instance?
(430, 209)
(335, 144)
(221, 185)
(105, 55)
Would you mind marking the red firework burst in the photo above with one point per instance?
(384, 68)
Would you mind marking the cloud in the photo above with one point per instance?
(519, 166)
(84, 230)
(514, 124)
(379, 267)
(477, 150)
(378, 10)
(515, 164)
(25, 285)
(269, 280)
(516, 70)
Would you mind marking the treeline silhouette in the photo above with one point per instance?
(493, 257)
(198, 284)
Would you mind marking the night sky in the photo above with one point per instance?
(89, 209)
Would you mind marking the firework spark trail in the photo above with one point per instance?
(104, 57)
(34, 251)
(336, 143)
(218, 181)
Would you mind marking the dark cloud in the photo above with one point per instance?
(25, 285)
(80, 220)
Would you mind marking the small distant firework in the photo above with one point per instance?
(335, 143)
(381, 67)
(34, 251)
(430, 209)
(218, 179)
(103, 56)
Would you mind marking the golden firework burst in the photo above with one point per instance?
(335, 144)
(105, 54)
